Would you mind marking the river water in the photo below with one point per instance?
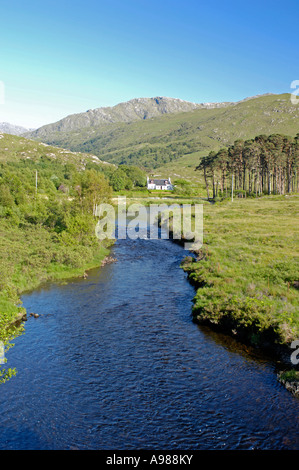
(115, 362)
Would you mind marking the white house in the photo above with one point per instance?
(159, 184)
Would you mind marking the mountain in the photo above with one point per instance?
(134, 110)
(7, 128)
(154, 133)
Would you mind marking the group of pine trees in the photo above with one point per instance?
(263, 165)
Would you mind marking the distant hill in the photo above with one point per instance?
(134, 110)
(17, 148)
(162, 132)
(7, 128)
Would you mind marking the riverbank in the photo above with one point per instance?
(13, 314)
(246, 272)
(290, 380)
(10, 307)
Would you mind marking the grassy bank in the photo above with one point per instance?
(247, 270)
(30, 257)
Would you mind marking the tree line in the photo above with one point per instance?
(263, 165)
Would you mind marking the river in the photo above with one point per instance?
(115, 362)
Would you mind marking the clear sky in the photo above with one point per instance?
(67, 56)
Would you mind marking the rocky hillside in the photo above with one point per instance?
(7, 128)
(133, 110)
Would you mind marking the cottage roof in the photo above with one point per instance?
(159, 182)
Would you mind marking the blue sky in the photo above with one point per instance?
(67, 56)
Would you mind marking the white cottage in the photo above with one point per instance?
(159, 184)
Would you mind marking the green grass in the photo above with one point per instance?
(248, 269)
(30, 257)
(47, 233)
(33, 255)
(290, 376)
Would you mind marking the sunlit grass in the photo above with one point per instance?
(249, 265)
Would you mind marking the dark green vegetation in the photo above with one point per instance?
(290, 379)
(247, 270)
(290, 375)
(124, 177)
(47, 224)
(264, 165)
(172, 143)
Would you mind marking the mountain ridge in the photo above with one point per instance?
(127, 111)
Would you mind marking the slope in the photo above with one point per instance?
(17, 148)
(134, 110)
(180, 139)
